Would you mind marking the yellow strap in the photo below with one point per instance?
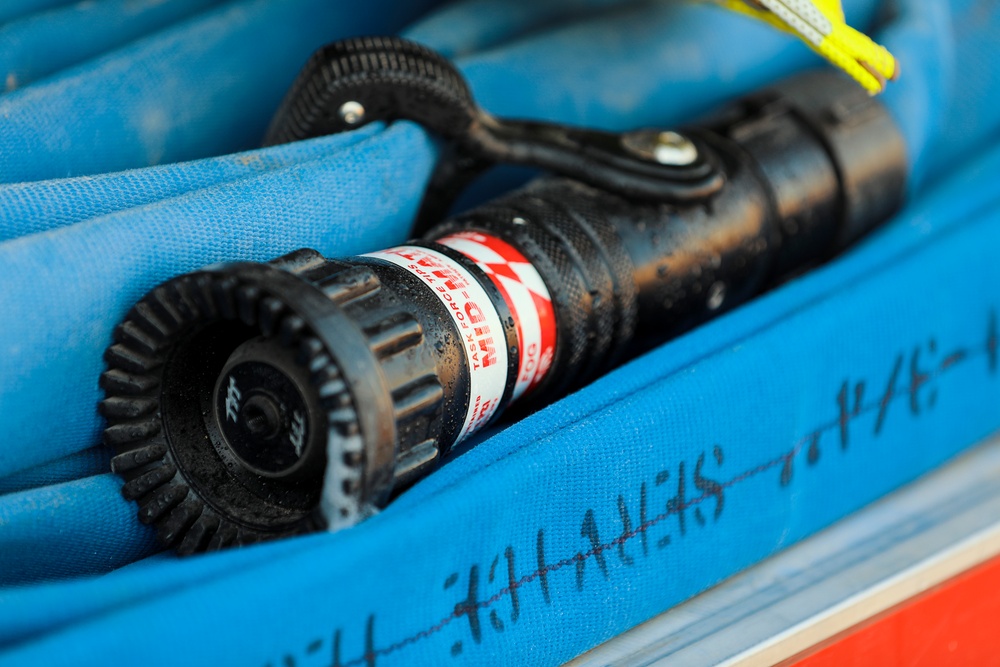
(821, 25)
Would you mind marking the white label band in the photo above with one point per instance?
(525, 294)
(476, 318)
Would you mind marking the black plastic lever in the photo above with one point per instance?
(354, 82)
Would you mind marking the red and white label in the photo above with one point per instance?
(477, 320)
(526, 296)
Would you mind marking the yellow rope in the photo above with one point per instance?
(821, 25)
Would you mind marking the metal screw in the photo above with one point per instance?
(666, 147)
(261, 416)
(675, 149)
(716, 295)
(351, 112)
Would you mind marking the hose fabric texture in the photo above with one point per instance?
(128, 157)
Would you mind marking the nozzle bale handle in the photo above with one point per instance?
(252, 401)
(360, 80)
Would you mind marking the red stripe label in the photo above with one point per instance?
(526, 296)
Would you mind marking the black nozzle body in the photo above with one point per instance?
(250, 401)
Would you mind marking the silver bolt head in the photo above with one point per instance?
(674, 149)
(351, 112)
(663, 147)
(716, 295)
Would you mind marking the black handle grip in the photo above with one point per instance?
(360, 80)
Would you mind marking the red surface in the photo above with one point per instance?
(526, 300)
(956, 623)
